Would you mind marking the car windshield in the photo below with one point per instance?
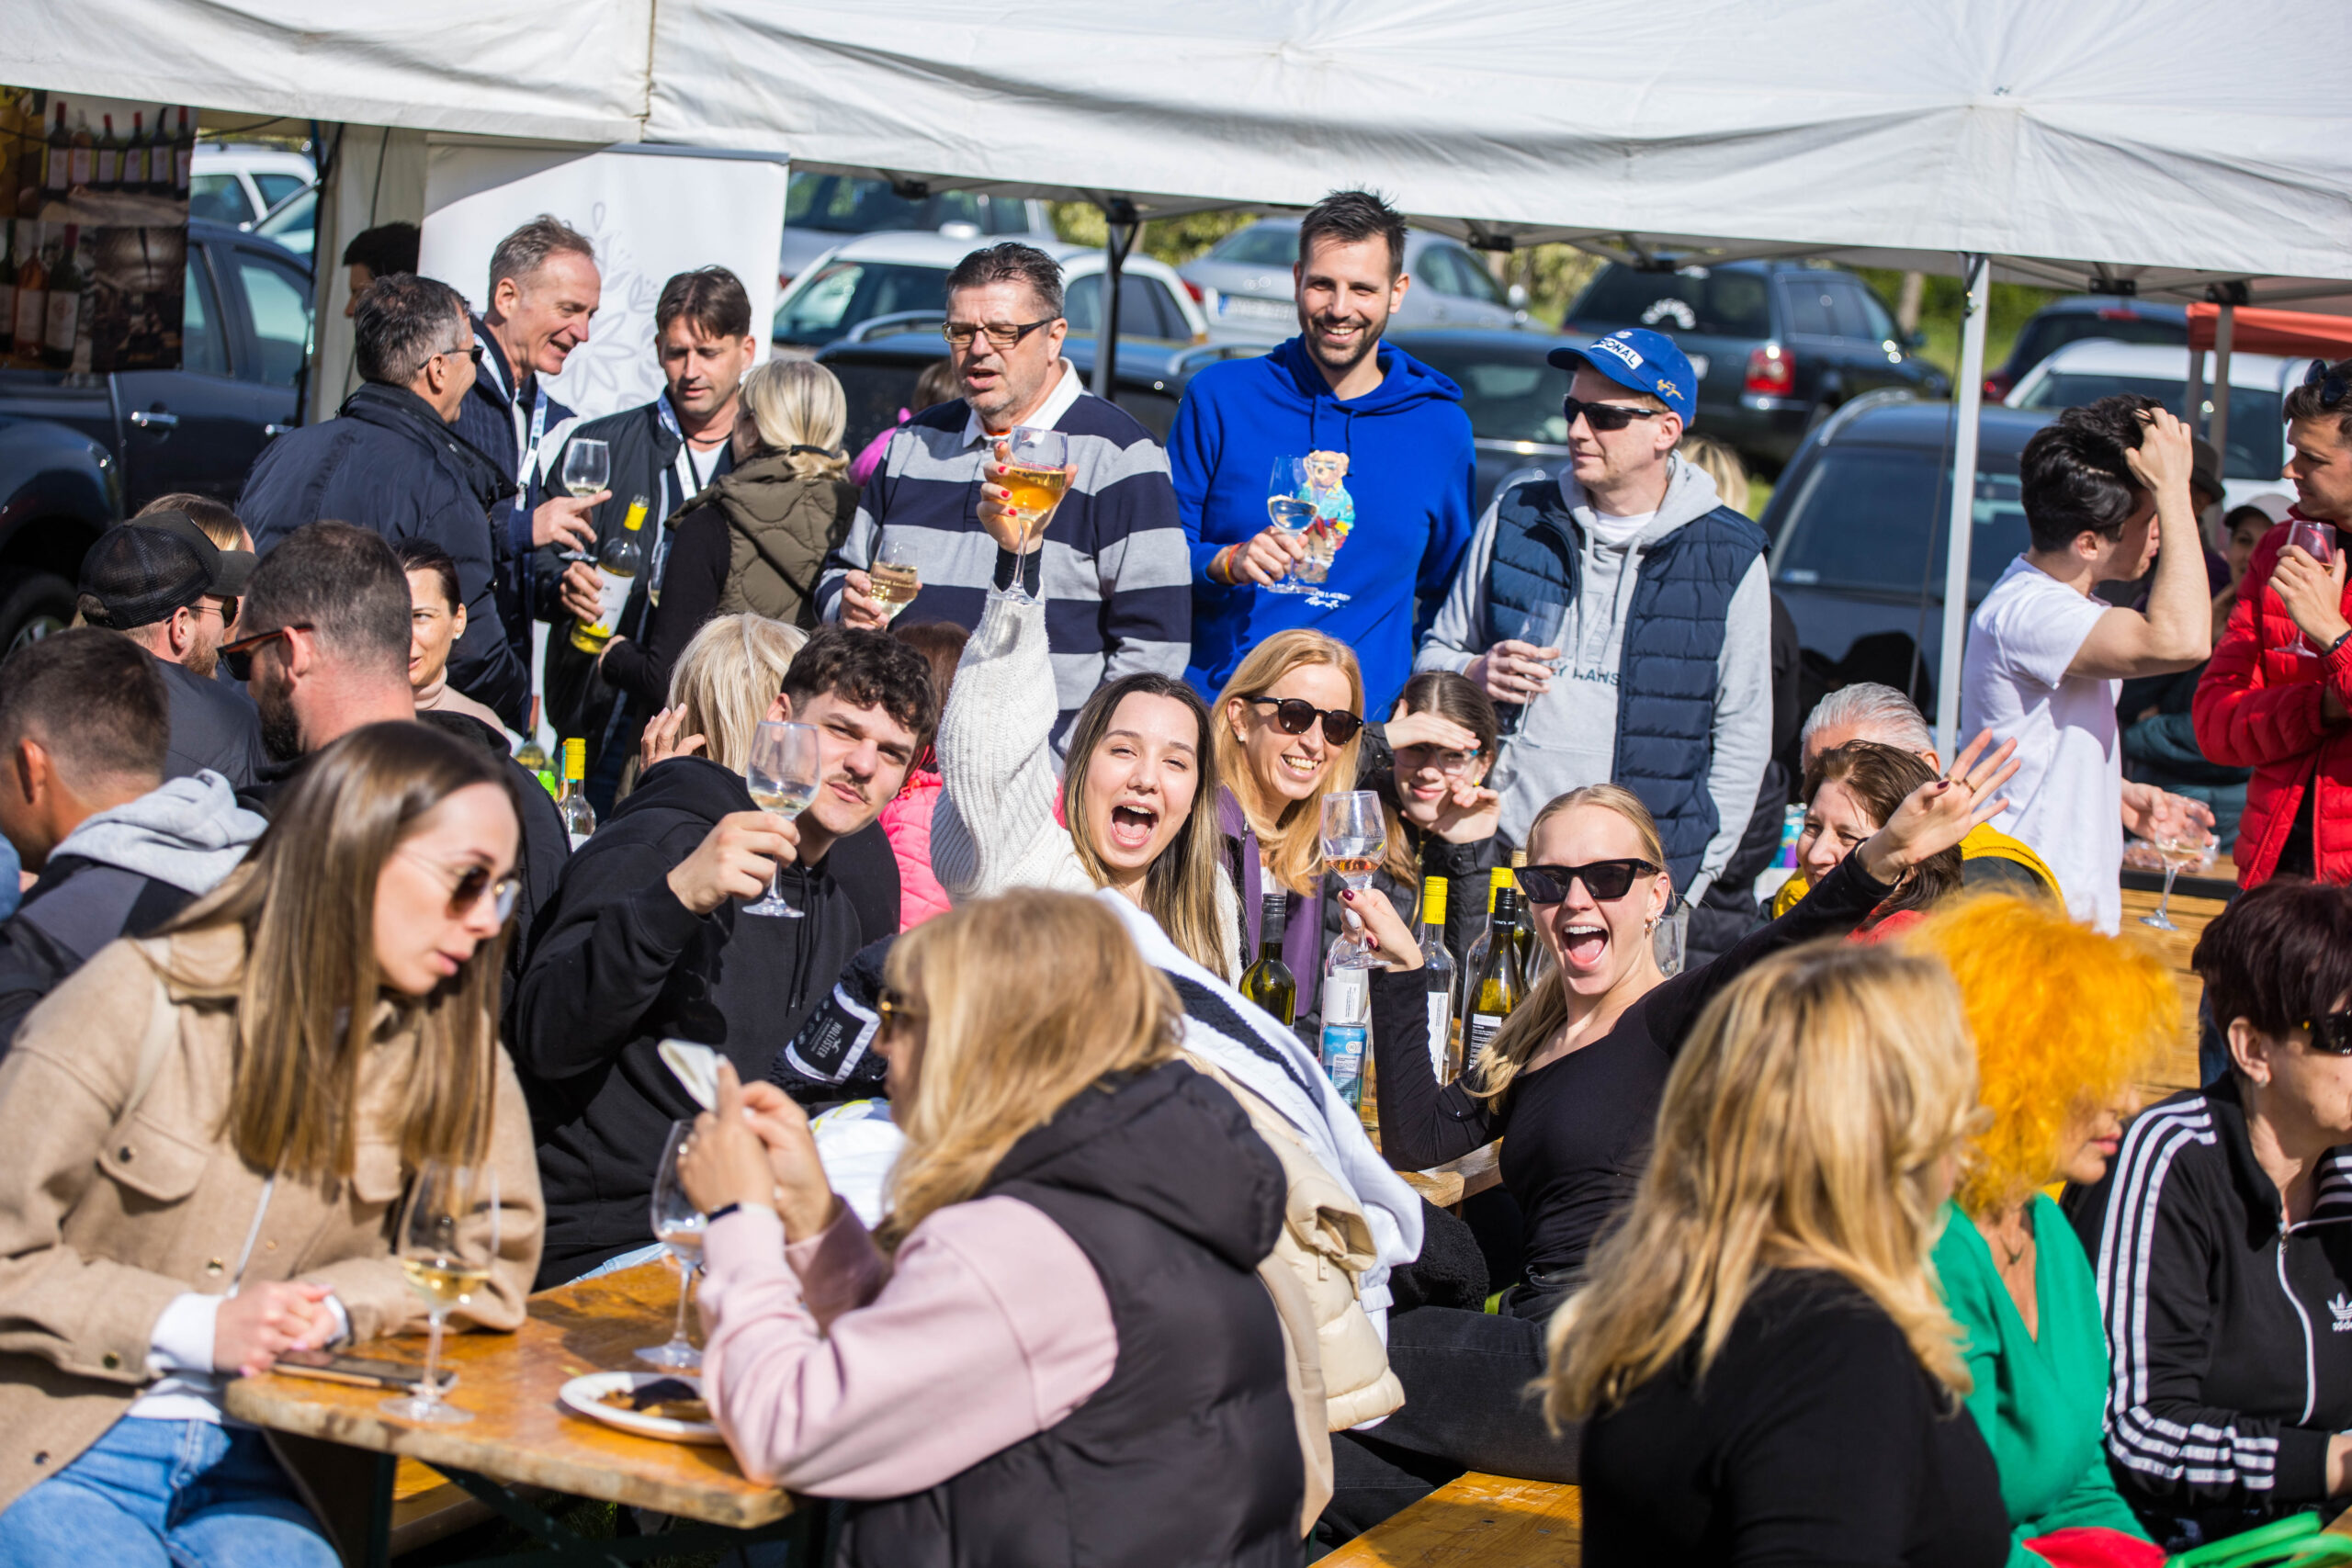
(1509, 396)
(1271, 245)
(2053, 330)
(1697, 299)
(836, 204)
(1871, 517)
(293, 224)
(848, 292)
(2256, 421)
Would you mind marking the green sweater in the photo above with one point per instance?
(2039, 1402)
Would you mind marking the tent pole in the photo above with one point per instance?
(2225, 328)
(1120, 226)
(2191, 407)
(1970, 384)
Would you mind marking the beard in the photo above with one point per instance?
(202, 660)
(281, 732)
(1367, 340)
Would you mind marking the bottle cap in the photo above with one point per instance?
(1433, 900)
(1274, 917)
(575, 759)
(1518, 859)
(636, 517)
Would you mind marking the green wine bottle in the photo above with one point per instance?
(1269, 982)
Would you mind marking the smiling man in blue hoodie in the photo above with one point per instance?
(1389, 466)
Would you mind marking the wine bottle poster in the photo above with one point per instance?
(94, 207)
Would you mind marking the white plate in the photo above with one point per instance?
(585, 1396)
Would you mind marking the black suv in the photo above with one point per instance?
(1776, 346)
(80, 452)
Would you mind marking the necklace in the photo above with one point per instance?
(2009, 1255)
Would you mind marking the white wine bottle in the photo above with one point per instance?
(1269, 982)
(1437, 973)
(571, 800)
(1493, 982)
(617, 568)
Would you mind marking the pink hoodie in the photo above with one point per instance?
(906, 823)
(834, 1373)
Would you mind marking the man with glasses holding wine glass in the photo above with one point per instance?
(1111, 567)
(1629, 580)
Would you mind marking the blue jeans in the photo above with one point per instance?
(165, 1494)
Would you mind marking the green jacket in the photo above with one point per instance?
(2037, 1401)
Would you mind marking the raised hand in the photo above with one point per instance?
(737, 859)
(1384, 930)
(1938, 815)
(662, 740)
(1513, 671)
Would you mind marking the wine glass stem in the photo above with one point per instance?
(2163, 904)
(430, 1392)
(686, 1281)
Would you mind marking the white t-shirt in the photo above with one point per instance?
(2066, 801)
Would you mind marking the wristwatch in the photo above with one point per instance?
(2339, 642)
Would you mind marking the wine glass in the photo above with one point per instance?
(894, 579)
(1541, 623)
(449, 1244)
(2316, 540)
(783, 772)
(678, 1227)
(1036, 463)
(587, 465)
(1355, 835)
(2178, 853)
(1670, 940)
(1290, 509)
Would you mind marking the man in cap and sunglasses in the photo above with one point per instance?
(2277, 697)
(1623, 612)
(161, 582)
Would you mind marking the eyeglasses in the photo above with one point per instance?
(471, 883)
(892, 1009)
(472, 351)
(227, 607)
(239, 655)
(1417, 758)
(1296, 715)
(1606, 880)
(2330, 1033)
(1604, 417)
(1001, 335)
(2332, 385)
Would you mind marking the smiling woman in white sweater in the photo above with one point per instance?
(1140, 761)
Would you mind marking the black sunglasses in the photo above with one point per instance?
(1294, 715)
(1606, 880)
(2333, 384)
(473, 351)
(239, 655)
(1604, 417)
(2330, 1033)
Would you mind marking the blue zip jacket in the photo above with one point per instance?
(1401, 524)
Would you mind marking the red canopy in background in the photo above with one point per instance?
(2264, 331)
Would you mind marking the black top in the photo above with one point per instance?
(692, 575)
(213, 726)
(1816, 1438)
(1579, 1128)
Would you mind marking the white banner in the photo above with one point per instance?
(653, 213)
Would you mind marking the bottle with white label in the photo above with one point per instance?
(1492, 980)
(617, 566)
(1347, 1029)
(1437, 976)
(62, 328)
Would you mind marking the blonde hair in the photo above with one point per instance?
(2045, 1052)
(1719, 463)
(1024, 1002)
(797, 403)
(726, 678)
(1290, 843)
(1545, 1010)
(1805, 1126)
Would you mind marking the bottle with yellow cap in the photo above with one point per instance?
(1522, 934)
(617, 565)
(570, 802)
(1493, 981)
(1436, 973)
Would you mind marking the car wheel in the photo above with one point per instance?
(35, 605)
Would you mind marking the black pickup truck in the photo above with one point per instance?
(78, 453)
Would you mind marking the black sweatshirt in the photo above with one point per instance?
(2229, 1335)
(619, 966)
(1579, 1128)
(693, 575)
(1814, 1437)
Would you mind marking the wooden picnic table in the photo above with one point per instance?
(522, 1436)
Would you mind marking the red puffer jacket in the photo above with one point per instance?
(2258, 706)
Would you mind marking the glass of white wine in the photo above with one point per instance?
(2178, 855)
(449, 1244)
(1037, 472)
(782, 773)
(587, 466)
(1290, 509)
(678, 1227)
(894, 578)
(1355, 837)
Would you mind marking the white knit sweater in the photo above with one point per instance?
(994, 828)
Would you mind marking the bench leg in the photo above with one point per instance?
(380, 1513)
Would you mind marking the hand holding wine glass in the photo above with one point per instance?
(2308, 580)
(1355, 836)
(783, 772)
(447, 1247)
(1024, 488)
(895, 578)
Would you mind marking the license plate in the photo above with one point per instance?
(1242, 305)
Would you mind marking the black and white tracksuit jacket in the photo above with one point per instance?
(2229, 1334)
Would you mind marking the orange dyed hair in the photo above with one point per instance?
(2065, 1020)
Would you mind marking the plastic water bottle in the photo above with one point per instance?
(1347, 1029)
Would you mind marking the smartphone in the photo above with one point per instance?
(330, 1367)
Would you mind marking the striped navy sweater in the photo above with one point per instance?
(2228, 1332)
(1116, 578)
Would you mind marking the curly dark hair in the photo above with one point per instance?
(1350, 216)
(2076, 472)
(2278, 956)
(866, 669)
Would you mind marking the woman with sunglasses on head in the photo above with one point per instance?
(2218, 1240)
(210, 1134)
(1441, 816)
(1849, 794)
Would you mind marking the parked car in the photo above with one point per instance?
(235, 183)
(1511, 396)
(821, 210)
(1858, 528)
(878, 275)
(1244, 283)
(2080, 316)
(878, 369)
(80, 452)
(293, 222)
(2090, 368)
(1777, 346)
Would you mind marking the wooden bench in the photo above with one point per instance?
(426, 1507)
(1476, 1521)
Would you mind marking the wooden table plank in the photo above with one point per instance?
(520, 1434)
(2178, 1067)
(1476, 1521)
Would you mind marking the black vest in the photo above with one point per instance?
(1189, 1456)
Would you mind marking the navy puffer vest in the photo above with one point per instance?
(1189, 1456)
(1674, 634)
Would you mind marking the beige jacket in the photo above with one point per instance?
(105, 1218)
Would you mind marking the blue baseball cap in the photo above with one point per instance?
(1643, 360)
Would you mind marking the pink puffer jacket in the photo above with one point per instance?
(906, 823)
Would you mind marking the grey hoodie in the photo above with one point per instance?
(1569, 736)
(191, 833)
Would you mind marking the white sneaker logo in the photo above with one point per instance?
(2340, 1309)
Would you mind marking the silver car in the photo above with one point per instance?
(1246, 286)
